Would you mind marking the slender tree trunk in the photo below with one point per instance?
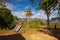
(48, 14)
(27, 22)
(48, 24)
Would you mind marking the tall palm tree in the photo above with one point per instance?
(46, 5)
(28, 14)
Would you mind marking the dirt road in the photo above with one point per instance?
(27, 35)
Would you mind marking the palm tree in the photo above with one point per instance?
(46, 5)
(28, 14)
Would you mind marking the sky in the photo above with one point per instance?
(18, 8)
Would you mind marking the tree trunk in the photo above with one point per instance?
(47, 21)
(27, 22)
(48, 14)
(48, 25)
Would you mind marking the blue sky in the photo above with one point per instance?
(19, 6)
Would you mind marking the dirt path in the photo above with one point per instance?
(36, 35)
(27, 35)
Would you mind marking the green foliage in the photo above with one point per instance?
(58, 11)
(35, 23)
(15, 21)
(6, 17)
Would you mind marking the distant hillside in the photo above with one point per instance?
(57, 19)
(22, 19)
(25, 19)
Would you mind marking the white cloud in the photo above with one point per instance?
(10, 6)
(54, 14)
(33, 12)
(40, 15)
(19, 14)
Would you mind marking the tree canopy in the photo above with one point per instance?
(47, 4)
(6, 17)
(28, 12)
